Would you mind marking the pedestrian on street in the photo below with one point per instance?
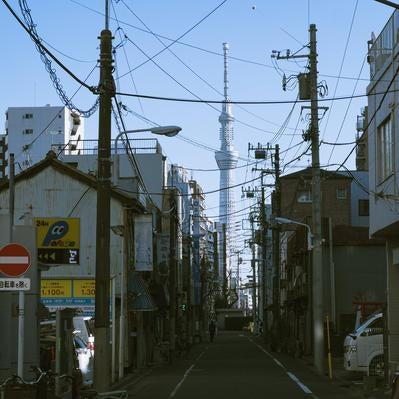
(212, 330)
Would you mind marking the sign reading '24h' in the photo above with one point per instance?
(58, 240)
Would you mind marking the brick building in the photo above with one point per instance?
(352, 262)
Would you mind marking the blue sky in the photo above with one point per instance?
(252, 28)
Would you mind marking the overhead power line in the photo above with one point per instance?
(200, 100)
(174, 41)
(166, 47)
(341, 67)
(270, 102)
(66, 55)
(44, 53)
(261, 64)
(204, 192)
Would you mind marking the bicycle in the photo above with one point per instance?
(17, 385)
(93, 394)
(395, 386)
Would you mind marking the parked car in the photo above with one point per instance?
(363, 348)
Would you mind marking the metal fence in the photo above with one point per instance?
(90, 147)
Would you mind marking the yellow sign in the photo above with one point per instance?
(84, 288)
(56, 233)
(56, 288)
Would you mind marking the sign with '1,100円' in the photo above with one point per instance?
(58, 240)
(69, 293)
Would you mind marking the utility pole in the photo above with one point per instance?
(318, 320)
(263, 242)
(172, 274)
(261, 153)
(225, 286)
(308, 90)
(189, 311)
(276, 205)
(106, 91)
(253, 264)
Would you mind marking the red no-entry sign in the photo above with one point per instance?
(14, 260)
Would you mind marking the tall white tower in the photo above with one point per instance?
(227, 159)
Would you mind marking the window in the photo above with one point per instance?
(341, 193)
(27, 131)
(364, 207)
(304, 196)
(384, 150)
(27, 116)
(375, 327)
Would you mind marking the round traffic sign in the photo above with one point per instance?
(14, 260)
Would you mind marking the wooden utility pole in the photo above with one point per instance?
(106, 92)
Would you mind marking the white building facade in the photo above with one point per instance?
(33, 131)
(383, 157)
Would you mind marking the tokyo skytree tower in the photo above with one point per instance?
(226, 160)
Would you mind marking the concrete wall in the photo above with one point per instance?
(360, 274)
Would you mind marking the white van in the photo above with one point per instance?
(83, 328)
(363, 349)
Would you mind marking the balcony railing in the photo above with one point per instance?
(382, 47)
(138, 146)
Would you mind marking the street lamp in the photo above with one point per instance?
(168, 131)
(119, 230)
(282, 220)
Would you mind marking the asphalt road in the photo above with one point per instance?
(234, 366)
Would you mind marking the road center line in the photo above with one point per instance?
(291, 375)
(180, 383)
(299, 383)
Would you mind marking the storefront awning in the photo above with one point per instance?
(138, 295)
